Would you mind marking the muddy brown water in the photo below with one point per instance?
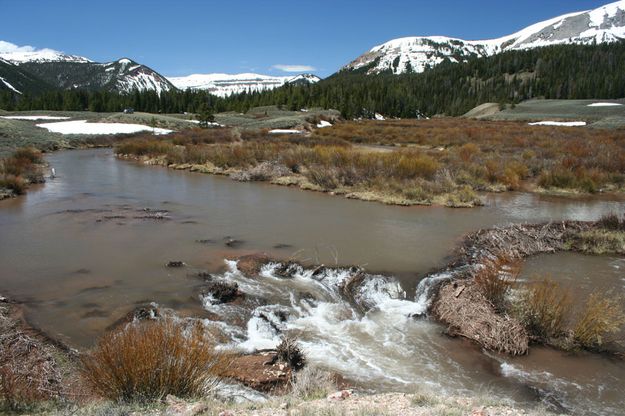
(85, 248)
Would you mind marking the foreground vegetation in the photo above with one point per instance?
(441, 161)
(18, 171)
(168, 366)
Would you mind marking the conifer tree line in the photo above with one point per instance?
(555, 72)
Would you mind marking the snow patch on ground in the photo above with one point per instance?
(82, 127)
(604, 105)
(285, 131)
(35, 118)
(559, 123)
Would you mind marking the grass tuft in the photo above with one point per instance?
(147, 361)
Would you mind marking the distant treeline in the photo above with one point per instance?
(556, 72)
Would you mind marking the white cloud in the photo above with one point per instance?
(8, 47)
(294, 68)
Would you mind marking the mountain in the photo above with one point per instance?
(42, 55)
(605, 24)
(57, 69)
(15, 79)
(224, 85)
(123, 75)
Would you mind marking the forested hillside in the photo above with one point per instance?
(557, 72)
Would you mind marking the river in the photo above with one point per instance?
(91, 244)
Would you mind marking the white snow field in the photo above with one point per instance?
(35, 118)
(559, 123)
(82, 127)
(604, 105)
(285, 131)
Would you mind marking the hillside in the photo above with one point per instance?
(16, 80)
(123, 75)
(605, 24)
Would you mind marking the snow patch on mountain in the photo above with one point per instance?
(9, 86)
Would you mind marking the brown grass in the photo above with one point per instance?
(545, 309)
(603, 315)
(20, 169)
(442, 160)
(496, 279)
(149, 360)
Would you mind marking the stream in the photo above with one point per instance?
(90, 245)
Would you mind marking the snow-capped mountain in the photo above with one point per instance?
(41, 55)
(416, 54)
(224, 85)
(126, 75)
(123, 75)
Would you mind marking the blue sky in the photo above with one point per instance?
(183, 37)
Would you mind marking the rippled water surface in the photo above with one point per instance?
(88, 246)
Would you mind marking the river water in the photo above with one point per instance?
(91, 244)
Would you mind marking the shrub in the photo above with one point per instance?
(290, 352)
(611, 222)
(149, 360)
(495, 280)
(312, 383)
(14, 183)
(323, 177)
(545, 307)
(602, 315)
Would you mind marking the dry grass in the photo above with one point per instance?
(20, 169)
(603, 315)
(312, 383)
(149, 360)
(444, 160)
(545, 308)
(29, 373)
(495, 280)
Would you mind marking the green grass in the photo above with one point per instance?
(571, 110)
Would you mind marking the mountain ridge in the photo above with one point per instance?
(604, 24)
(223, 85)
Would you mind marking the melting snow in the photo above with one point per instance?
(82, 127)
(35, 118)
(604, 105)
(285, 131)
(559, 123)
(5, 82)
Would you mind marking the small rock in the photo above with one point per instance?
(175, 264)
(339, 395)
(226, 413)
(3, 299)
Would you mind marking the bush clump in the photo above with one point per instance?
(147, 361)
(602, 316)
(545, 308)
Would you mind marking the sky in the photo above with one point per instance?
(278, 37)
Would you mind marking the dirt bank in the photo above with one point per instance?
(468, 313)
